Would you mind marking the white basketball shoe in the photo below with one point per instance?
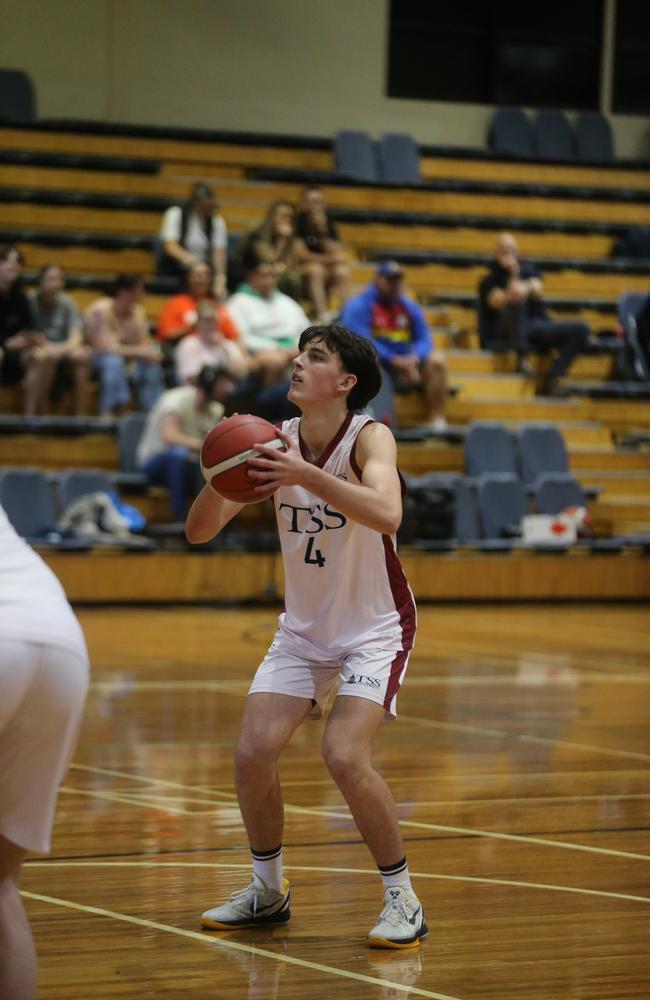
(253, 906)
(401, 922)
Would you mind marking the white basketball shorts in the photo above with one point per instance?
(370, 672)
(42, 694)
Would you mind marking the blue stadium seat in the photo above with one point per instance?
(502, 504)
(129, 432)
(467, 520)
(17, 97)
(593, 137)
(556, 491)
(489, 447)
(27, 498)
(75, 483)
(553, 136)
(355, 156)
(399, 159)
(541, 449)
(511, 133)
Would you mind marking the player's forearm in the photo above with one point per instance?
(363, 504)
(208, 515)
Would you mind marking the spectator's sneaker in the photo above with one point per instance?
(250, 907)
(401, 923)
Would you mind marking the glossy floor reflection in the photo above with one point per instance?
(520, 764)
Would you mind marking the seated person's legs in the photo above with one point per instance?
(434, 387)
(79, 360)
(568, 337)
(40, 369)
(177, 469)
(114, 386)
(338, 279)
(315, 276)
(148, 383)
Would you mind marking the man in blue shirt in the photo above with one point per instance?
(397, 327)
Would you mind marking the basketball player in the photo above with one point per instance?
(349, 624)
(43, 682)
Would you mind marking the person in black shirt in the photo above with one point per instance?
(15, 317)
(322, 258)
(512, 315)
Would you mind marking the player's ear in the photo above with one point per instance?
(347, 382)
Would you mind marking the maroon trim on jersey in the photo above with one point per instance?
(353, 454)
(322, 458)
(405, 607)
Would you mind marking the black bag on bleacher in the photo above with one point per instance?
(429, 509)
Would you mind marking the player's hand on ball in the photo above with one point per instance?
(273, 468)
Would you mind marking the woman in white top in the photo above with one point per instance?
(43, 683)
(195, 233)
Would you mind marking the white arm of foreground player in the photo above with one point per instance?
(208, 515)
(376, 503)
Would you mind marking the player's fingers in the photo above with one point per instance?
(284, 437)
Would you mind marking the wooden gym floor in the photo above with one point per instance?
(520, 764)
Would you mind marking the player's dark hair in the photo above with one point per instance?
(209, 375)
(358, 356)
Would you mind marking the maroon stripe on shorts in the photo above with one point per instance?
(405, 607)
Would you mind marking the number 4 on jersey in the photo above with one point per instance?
(314, 556)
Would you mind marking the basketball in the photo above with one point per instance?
(226, 450)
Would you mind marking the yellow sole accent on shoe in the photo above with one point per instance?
(214, 925)
(377, 942)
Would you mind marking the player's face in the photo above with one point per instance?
(318, 376)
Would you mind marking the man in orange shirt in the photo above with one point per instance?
(179, 313)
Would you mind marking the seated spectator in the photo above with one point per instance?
(15, 317)
(56, 318)
(207, 346)
(275, 240)
(398, 329)
(269, 324)
(178, 315)
(512, 315)
(322, 257)
(122, 349)
(168, 451)
(195, 233)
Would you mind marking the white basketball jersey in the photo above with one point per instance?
(33, 605)
(344, 585)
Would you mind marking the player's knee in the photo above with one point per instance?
(250, 756)
(342, 760)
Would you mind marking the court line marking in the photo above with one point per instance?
(330, 814)
(233, 689)
(424, 680)
(152, 801)
(350, 871)
(524, 737)
(235, 946)
(141, 797)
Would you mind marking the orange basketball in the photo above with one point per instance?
(226, 450)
